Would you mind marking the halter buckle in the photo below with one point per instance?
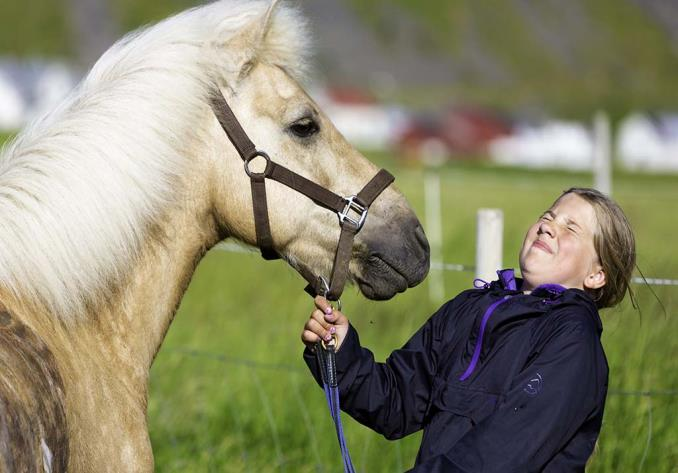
(354, 212)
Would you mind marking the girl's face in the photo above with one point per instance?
(558, 248)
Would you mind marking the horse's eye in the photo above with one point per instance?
(304, 128)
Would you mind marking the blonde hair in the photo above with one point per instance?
(614, 243)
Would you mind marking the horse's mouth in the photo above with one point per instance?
(380, 280)
(387, 268)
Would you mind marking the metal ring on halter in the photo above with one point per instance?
(325, 289)
(267, 169)
(333, 342)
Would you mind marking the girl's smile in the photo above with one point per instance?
(543, 246)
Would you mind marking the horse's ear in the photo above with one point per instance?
(268, 21)
(248, 43)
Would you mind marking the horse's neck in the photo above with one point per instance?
(124, 334)
(149, 300)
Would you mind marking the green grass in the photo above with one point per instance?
(35, 28)
(229, 391)
(216, 411)
(42, 28)
(5, 137)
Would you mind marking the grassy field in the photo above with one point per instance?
(229, 391)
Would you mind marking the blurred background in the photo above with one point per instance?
(471, 104)
(511, 81)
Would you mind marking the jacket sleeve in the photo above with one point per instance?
(392, 397)
(559, 391)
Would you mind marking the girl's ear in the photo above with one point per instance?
(595, 280)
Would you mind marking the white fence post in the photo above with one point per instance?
(602, 153)
(489, 242)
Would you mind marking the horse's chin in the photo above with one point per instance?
(381, 281)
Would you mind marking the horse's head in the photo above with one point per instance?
(258, 80)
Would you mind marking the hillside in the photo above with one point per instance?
(566, 57)
(571, 56)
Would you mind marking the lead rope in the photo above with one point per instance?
(326, 355)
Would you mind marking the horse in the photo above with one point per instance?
(108, 203)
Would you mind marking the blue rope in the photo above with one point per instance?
(328, 372)
(332, 396)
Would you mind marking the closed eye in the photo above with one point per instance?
(573, 226)
(304, 127)
(547, 216)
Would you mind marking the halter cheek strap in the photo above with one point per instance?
(352, 211)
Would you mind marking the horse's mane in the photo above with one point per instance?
(81, 188)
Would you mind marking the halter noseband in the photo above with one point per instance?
(352, 211)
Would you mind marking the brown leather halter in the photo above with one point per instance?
(352, 211)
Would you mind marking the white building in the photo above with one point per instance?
(363, 121)
(29, 89)
(555, 144)
(648, 144)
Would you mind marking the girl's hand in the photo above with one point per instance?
(324, 323)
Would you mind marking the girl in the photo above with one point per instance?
(510, 376)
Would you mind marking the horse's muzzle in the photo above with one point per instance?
(394, 258)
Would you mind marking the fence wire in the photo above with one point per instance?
(234, 247)
(257, 365)
(244, 362)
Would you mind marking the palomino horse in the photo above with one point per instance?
(108, 203)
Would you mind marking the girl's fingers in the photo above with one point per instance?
(338, 318)
(309, 338)
(331, 315)
(323, 304)
(315, 327)
(324, 323)
(319, 317)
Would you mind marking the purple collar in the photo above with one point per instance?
(552, 289)
(508, 282)
(507, 278)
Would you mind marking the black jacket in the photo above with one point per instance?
(528, 398)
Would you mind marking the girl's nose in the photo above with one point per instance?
(546, 227)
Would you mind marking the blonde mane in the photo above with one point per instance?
(81, 187)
